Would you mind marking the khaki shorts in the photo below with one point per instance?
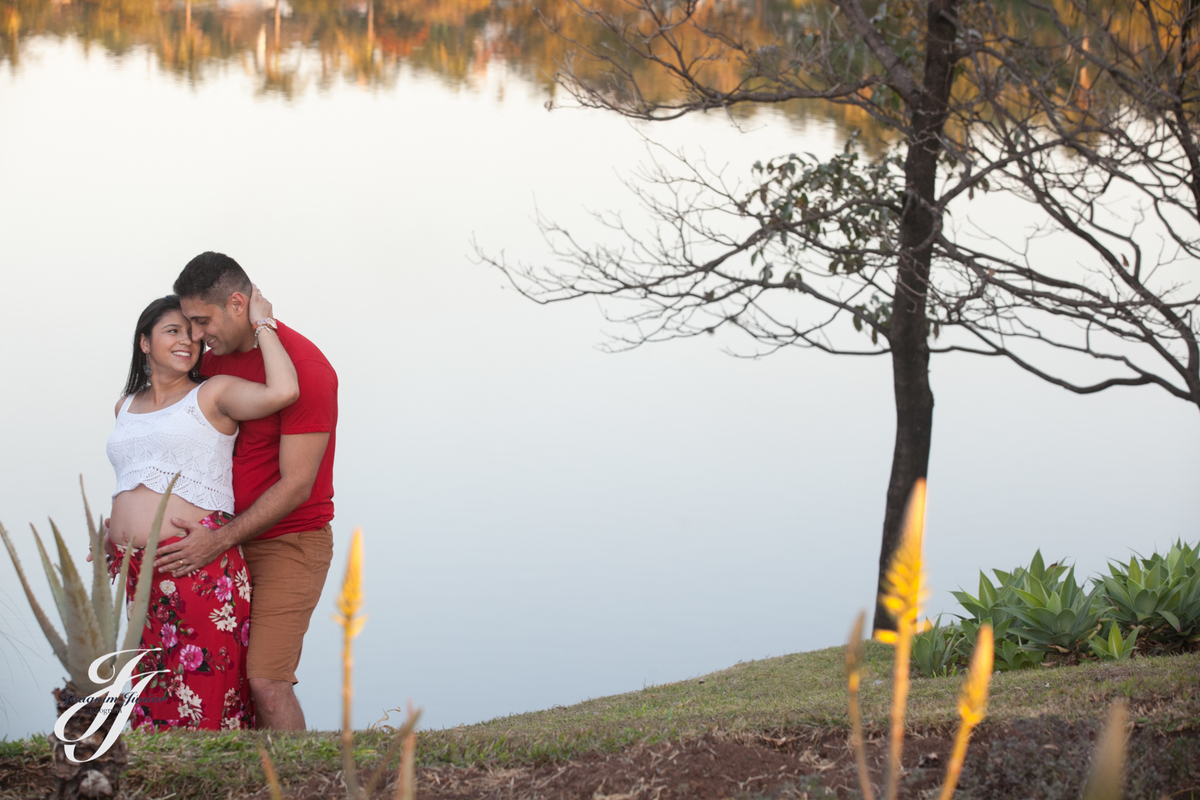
(287, 574)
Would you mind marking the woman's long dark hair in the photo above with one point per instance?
(138, 379)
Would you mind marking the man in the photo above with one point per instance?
(282, 485)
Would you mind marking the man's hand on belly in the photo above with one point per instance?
(198, 548)
(299, 459)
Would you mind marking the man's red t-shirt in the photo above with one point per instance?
(256, 452)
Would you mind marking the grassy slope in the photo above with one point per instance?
(807, 689)
(803, 690)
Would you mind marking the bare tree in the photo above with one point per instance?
(1125, 186)
(962, 96)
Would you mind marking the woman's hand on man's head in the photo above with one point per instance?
(260, 307)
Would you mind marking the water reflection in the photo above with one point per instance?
(292, 46)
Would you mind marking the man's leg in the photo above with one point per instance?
(276, 706)
(287, 574)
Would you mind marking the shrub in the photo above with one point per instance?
(1114, 646)
(995, 605)
(1159, 596)
(1039, 611)
(1011, 652)
(1054, 614)
(939, 650)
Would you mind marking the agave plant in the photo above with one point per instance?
(1055, 616)
(993, 606)
(989, 604)
(938, 650)
(1012, 652)
(1159, 595)
(90, 625)
(994, 599)
(1114, 646)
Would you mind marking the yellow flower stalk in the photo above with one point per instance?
(349, 602)
(972, 705)
(904, 592)
(269, 771)
(1107, 778)
(350, 599)
(406, 785)
(854, 661)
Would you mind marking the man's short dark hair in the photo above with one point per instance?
(212, 277)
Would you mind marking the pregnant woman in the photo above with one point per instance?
(171, 420)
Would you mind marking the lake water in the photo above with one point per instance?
(543, 522)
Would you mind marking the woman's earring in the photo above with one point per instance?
(146, 368)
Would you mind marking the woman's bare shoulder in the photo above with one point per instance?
(121, 402)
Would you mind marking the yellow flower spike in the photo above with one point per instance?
(972, 705)
(904, 582)
(1107, 778)
(350, 599)
(904, 592)
(855, 655)
(271, 774)
(407, 780)
(349, 602)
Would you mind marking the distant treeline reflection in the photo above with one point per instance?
(296, 45)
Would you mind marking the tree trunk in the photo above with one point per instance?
(99, 778)
(909, 335)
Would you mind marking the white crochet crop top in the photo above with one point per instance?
(150, 448)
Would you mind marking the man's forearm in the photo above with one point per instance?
(273, 505)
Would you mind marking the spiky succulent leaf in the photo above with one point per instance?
(83, 630)
(938, 650)
(119, 599)
(101, 588)
(1115, 646)
(52, 636)
(56, 590)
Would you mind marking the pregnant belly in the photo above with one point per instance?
(133, 515)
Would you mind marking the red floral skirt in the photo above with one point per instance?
(199, 627)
